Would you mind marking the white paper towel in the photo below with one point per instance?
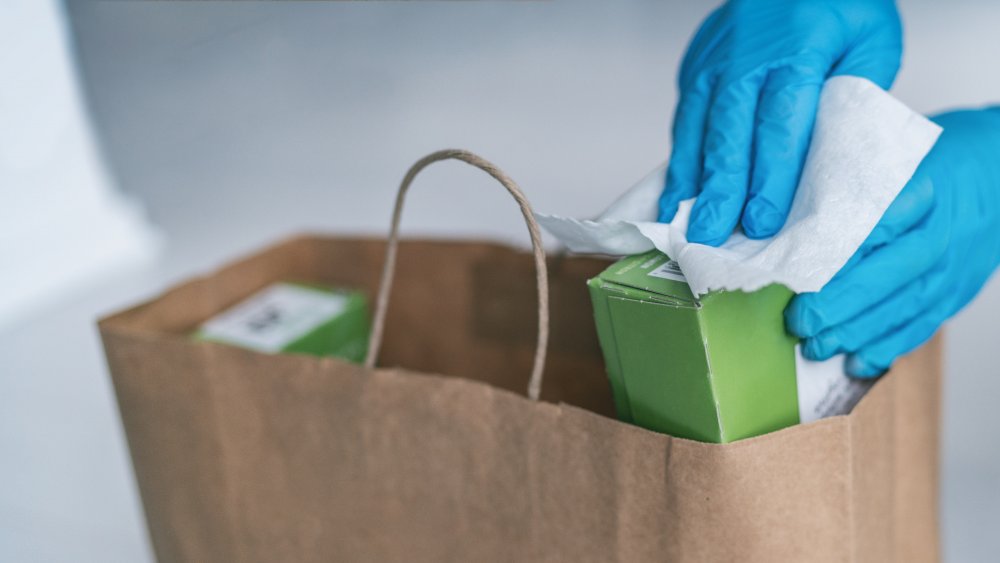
(865, 147)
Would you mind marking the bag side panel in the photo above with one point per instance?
(918, 442)
(779, 497)
(169, 413)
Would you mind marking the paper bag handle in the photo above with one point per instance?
(541, 273)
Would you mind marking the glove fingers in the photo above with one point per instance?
(875, 358)
(870, 281)
(910, 207)
(684, 171)
(880, 320)
(726, 165)
(785, 116)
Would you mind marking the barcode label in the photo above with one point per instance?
(824, 389)
(275, 317)
(669, 270)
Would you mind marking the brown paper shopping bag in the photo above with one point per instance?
(244, 456)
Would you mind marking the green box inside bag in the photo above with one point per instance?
(718, 368)
(295, 318)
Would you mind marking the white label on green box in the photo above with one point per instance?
(824, 389)
(274, 317)
(669, 270)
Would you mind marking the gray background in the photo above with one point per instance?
(236, 123)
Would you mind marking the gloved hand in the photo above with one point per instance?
(749, 86)
(929, 255)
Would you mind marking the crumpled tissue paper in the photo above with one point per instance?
(865, 147)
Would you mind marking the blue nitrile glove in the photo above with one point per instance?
(929, 255)
(749, 87)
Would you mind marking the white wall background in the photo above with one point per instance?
(237, 123)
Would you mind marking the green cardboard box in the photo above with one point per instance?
(715, 369)
(296, 318)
